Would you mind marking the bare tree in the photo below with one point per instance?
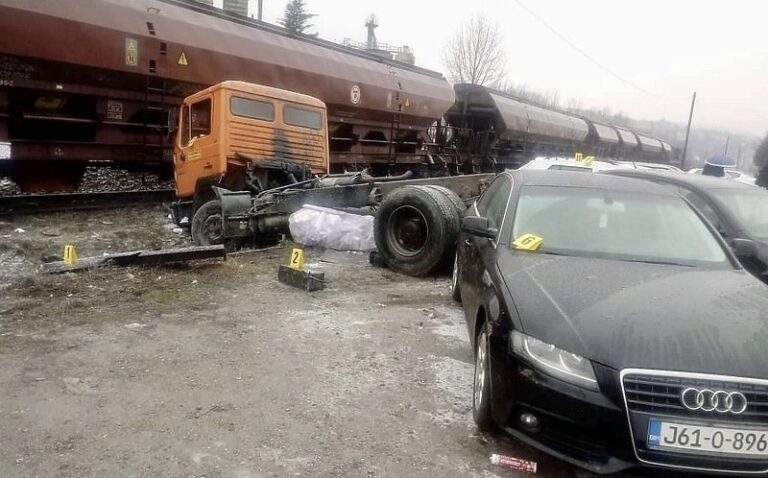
(475, 53)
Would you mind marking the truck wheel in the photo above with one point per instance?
(416, 229)
(453, 197)
(208, 225)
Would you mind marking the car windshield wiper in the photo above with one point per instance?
(664, 263)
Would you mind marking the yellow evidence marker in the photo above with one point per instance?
(70, 255)
(297, 259)
(528, 242)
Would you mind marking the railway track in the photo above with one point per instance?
(47, 203)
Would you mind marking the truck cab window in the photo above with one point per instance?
(200, 118)
(248, 108)
(302, 117)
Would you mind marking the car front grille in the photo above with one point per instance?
(656, 394)
(660, 395)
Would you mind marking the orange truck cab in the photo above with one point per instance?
(242, 136)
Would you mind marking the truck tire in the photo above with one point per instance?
(416, 228)
(208, 225)
(453, 197)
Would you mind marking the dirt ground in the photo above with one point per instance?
(218, 370)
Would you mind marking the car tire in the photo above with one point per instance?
(455, 288)
(416, 229)
(208, 225)
(481, 387)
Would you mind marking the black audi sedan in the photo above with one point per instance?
(612, 325)
(736, 209)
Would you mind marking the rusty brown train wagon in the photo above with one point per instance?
(98, 82)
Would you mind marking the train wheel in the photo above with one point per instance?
(416, 229)
(208, 225)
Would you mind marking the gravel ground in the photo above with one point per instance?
(218, 370)
(98, 179)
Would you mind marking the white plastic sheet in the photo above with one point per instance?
(324, 227)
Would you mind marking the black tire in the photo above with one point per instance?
(207, 225)
(455, 287)
(453, 197)
(481, 386)
(416, 229)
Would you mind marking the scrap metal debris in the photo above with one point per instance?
(161, 256)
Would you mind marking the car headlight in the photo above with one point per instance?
(557, 362)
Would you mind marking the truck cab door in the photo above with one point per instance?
(196, 146)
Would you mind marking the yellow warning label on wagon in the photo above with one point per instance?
(183, 59)
(131, 52)
(528, 242)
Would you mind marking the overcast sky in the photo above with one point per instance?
(661, 50)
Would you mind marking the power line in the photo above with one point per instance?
(581, 51)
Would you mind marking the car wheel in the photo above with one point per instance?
(481, 392)
(455, 290)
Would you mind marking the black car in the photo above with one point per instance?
(612, 325)
(736, 209)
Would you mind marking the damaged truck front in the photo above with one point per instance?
(235, 190)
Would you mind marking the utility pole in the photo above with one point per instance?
(727, 140)
(688, 131)
(261, 8)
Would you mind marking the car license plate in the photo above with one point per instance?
(681, 436)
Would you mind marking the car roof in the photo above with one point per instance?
(535, 177)
(692, 181)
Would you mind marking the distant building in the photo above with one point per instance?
(239, 7)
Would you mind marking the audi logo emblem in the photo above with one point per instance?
(714, 401)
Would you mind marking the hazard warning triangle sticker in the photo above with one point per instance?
(183, 59)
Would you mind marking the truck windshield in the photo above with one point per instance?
(616, 225)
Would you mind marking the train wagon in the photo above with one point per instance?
(98, 82)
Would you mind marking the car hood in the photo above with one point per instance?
(625, 314)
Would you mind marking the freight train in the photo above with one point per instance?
(99, 82)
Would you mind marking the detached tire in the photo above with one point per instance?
(416, 229)
(208, 225)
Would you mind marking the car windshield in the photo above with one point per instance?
(750, 208)
(616, 225)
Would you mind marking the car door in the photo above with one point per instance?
(478, 253)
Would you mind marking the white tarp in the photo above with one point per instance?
(323, 227)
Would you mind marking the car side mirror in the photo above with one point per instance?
(745, 248)
(478, 226)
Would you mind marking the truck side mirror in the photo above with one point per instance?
(478, 226)
(744, 248)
